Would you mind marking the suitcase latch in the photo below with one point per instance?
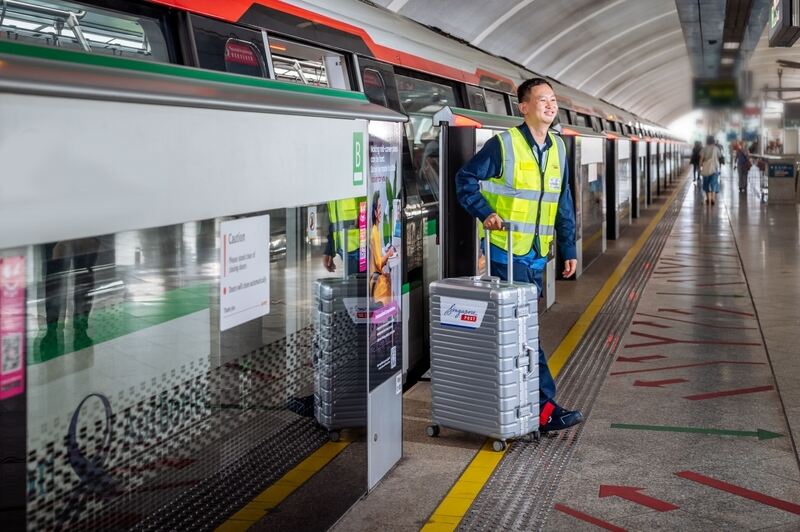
(525, 411)
(523, 362)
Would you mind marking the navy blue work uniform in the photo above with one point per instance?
(528, 268)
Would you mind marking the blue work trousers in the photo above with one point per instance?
(522, 273)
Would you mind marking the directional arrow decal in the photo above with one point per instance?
(639, 359)
(759, 433)
(726, 393)
(588, 518)
(711, 363)
(741, 492)
(659, 384)
(632, 494)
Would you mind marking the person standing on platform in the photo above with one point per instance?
(521, 176)
(709, 169)
(695, 159)
(743, 165)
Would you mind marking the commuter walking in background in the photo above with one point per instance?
(695, 159)
(710, 160)
(743, 165)
(537, 197)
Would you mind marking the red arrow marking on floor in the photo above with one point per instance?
(651, 324)
(712, 363)
(659, 384)
(676, 311)
(663, 340)
(706, 253)
(588, 518)
(741, 492)
(639, 359)
(724, 310)
(714, 395)
(632, 494)
(712, 325)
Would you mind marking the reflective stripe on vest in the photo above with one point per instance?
(521, 191)
(343, 215)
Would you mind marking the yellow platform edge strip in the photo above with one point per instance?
(271, 497)
(458, 500)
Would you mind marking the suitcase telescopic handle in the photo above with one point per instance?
(509, 256)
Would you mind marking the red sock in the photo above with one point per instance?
(547, 410)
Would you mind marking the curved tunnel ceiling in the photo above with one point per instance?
(631, 53)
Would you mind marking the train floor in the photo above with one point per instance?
(683, 357)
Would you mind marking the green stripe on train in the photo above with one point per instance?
(138, 65)
(115, 321)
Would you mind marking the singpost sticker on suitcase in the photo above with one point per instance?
(484, 356)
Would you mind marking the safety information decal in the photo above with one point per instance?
(458, 312)
(244, 279)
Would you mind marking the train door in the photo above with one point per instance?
(587, 152)
(618, 183)
(652, 170)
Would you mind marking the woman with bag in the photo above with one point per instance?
(709, 169)
(743, 165)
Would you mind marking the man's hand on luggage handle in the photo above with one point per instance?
(569, 267)
(493, 222)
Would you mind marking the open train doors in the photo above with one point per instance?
(586, 155)
(618, 184)
(463, 133)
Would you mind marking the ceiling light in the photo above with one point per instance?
(731, 45)
(727, 60)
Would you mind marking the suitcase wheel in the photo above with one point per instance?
(537, 436)
(433, 430)
(333, 435)
(499, 446)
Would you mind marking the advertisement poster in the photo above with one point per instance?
(244, 271)
(12, 326)
(384, 218)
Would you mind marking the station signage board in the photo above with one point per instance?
(783, 24)
(791, 115)
(715, 93)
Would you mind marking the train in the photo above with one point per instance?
(148, 125)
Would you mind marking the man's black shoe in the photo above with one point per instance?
(561, 419)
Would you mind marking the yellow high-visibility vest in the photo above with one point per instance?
(523, 196)
(343, 215)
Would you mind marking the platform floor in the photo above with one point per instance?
(694, 426)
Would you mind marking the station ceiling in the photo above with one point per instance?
(629, 52)
(640, 55)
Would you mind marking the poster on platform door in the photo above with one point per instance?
(384, 221)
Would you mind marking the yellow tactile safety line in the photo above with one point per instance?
(458, 500)
(276, 493)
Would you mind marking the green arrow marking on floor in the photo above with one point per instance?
(759, 433)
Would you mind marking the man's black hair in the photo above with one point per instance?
(525, 89)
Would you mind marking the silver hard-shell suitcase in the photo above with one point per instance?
(484, 356)
(340, 372)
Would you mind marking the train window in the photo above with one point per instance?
(83, 27)
(374, 87)
(495, 102)
(582, 120)
(514, 106)
(475, 98)
(379, 83)
(309, 65)
(229, 48)
(421, 99)
(563, 117)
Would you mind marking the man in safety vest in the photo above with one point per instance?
(344, 230)
(520, 177)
